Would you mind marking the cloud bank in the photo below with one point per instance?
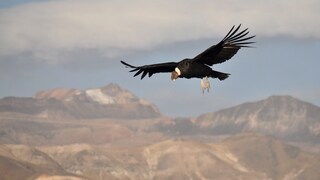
(54, 31)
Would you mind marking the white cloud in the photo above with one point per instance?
(50, 30)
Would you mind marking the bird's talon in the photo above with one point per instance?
(205, 85)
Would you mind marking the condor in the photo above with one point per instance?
(199, 66)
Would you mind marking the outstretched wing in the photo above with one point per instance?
(226, 48)
(152, 68)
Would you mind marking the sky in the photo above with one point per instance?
(79, 44)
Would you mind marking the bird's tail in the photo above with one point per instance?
(220, 75)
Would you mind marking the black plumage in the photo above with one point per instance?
(199, 66)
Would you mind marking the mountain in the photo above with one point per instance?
(48, 137)
(110, 101)
(243, 156)
(281, 116)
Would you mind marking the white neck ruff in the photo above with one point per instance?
(177, 70)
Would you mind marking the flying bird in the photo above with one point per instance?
(199, 66)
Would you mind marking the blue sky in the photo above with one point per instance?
(78, 44)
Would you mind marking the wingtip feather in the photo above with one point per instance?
(144, 74)
(232, 33)
(127, 65)
(137, 73)
(238, 39)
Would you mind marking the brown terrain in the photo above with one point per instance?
(109, 133)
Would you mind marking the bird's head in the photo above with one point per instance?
(175, 74)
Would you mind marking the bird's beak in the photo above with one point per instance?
(174, 75)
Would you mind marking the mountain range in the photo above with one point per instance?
(109, 133)
(284, 117)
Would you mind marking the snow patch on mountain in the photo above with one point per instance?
(98, 96)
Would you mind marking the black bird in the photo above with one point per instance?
(198, 67)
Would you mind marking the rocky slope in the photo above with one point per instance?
(110, 101)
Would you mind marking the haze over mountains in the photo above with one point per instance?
(109, 133)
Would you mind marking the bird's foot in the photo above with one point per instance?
(205, 84)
